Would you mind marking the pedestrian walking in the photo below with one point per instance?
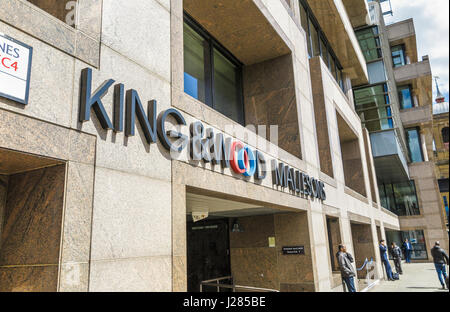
(348, 274)
(440, 259)
(396, 253)
(407, 250)
(385, 260)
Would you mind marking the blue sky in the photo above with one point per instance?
(431, 20)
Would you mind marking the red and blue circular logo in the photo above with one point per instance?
(242, 159)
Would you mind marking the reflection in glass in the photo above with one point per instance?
(414, 145)
(373, 107)
(415, 237)
(400, 198)
(370, 43)
(226, 93)
(314, 39)
(405, 97)
(398, 56)
(194, 64)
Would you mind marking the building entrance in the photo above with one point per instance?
(208, 254)
(247, 242)
(31, 209)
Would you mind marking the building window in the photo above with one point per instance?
(417, 240)
(318, 43)
(405, 96)
(211, 74)
(415, 237)
(64, 10)
(370, 43)
(400, 198)
(414, 144)
(398, 55)
(376, 72)
(445, 133)
(373, 107)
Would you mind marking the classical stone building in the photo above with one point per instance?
(113, 127)
(440, 147)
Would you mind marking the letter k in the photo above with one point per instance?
(95, 101)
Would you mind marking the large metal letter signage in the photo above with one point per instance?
(95, 101)
(204, 145)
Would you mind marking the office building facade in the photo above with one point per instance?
(155, 145)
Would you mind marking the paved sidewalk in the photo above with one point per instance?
(417, 277)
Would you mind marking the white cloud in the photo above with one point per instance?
(431, 22)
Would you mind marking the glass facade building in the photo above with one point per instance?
(373, 107)
(400, 198)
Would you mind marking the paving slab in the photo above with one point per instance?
(417, 277)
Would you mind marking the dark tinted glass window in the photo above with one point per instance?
(211, 74)
(314, 39)
(194, 64)
(414, 145)
(373, 107)
(400, 198)
(445, 135)
(370, 43)
(226, 88)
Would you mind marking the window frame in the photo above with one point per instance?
(417, 129)
(391, 194)
(400, 95)
(322, 41)
(403, 54)
(378, 41)
(212, 44)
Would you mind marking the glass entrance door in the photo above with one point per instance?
(207, 252)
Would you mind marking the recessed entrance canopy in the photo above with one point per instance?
(224, 208)
(12, 162)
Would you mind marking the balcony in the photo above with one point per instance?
(358, 12)
(404, 33)
(416, 116)
(410, 72)
(418, 76)
(390, 162)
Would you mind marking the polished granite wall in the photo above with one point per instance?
(3, 191)
(320, 115)
(254, 263)
(363, 245)
(58, 8)
(269, 99)
(31, 235)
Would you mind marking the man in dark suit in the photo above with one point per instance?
(385, 260)
(397, 256)
(407, 250)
